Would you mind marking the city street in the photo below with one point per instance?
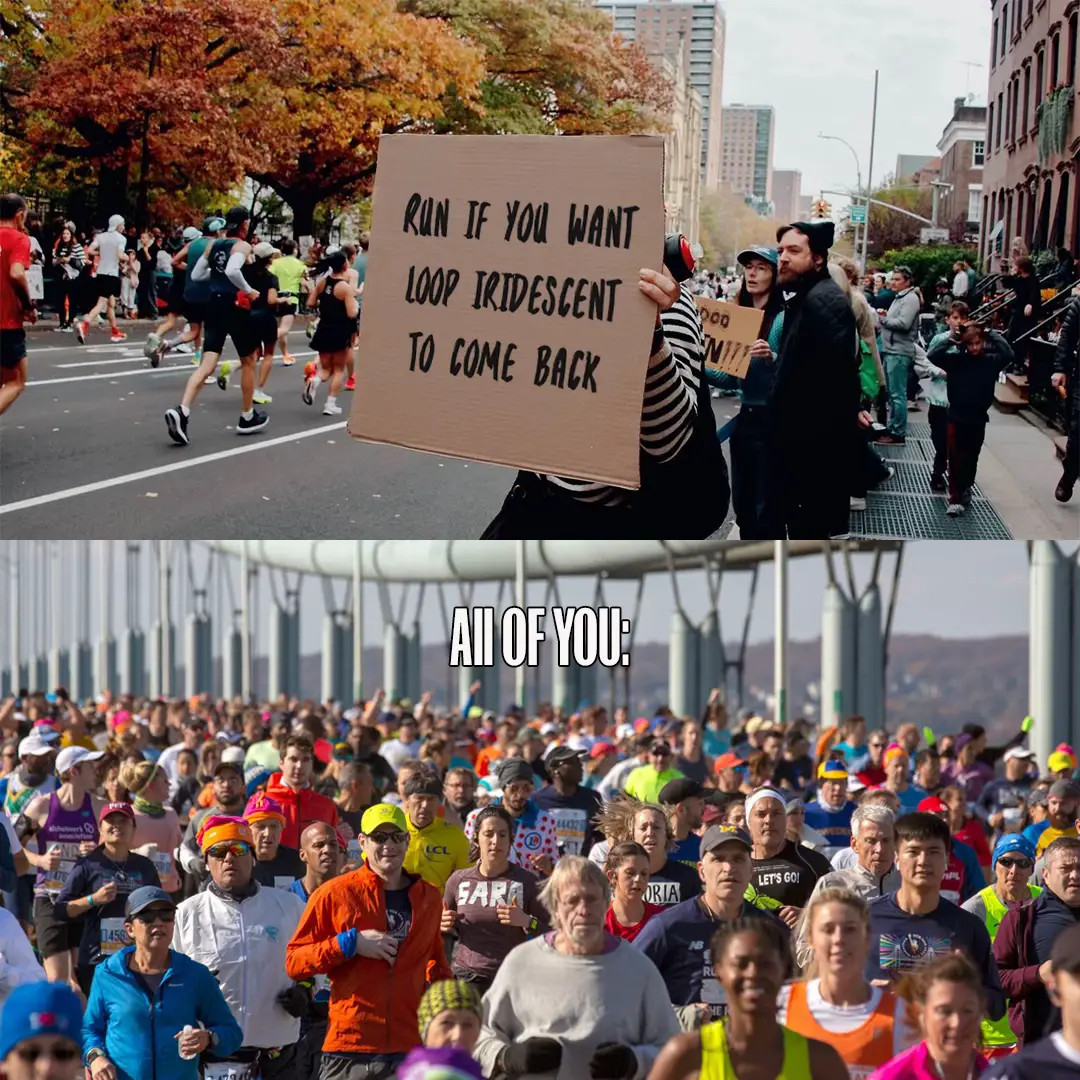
(86, 453)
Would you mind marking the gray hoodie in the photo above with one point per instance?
(900, 329)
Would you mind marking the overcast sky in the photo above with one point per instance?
(948, 588)
(814, 61)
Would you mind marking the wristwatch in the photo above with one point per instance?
(93, 1056)
(533, 926)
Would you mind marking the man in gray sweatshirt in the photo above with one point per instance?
(605, 1001)
(899, 332)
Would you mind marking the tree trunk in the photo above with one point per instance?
(303, 211)
(112, 191)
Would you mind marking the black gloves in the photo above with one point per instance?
(613, 1061)
(296, 1000)
(536, 1055)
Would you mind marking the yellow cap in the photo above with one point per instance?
(1059, 761)
(832, 770)
(383, 814)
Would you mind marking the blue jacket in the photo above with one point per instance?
(139, 1036)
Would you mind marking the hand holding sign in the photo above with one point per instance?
(732, 334)
(662, 290)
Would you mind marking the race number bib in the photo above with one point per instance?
(353, 850)
(54, 880)
(570, 828)
(712, 993)
(283, 882)
(113, 938)
(228, 1070)
(163, 864)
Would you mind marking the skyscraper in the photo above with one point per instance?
(656, 26)
(746, 161)
(786, 189)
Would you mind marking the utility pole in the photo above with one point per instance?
(870, 174)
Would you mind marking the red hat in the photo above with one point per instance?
(602, 749)
(324, 750)
(933, 805)
(711, 814)
(641, 724)
(727, 761)
(117, 808)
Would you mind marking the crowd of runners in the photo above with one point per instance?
(288, 889)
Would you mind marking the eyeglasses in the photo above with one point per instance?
(237, 849)
(395, 837)
(160, 915)
(877, 746)
(1020, 864)
(30, 1054)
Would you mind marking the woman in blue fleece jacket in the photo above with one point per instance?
(143, 996)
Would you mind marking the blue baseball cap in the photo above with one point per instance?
(1014, 842)
(759, 251)
(145, 896)
(40, 1008)
(255, 777)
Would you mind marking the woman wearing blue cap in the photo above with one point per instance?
(41, 1020)
(1014, 862)
(759, 290)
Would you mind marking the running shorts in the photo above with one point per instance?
(265, 324)
(12, 348)
(175, 299)
(195, 311)
(225, 320)
(107, 285)
(286, 307)
(54, 936)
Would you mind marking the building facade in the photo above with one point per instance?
(682, 153)
(963, 154)
(746, 161)
(786, 190)
(1030, 190)
(907, 165)
(659, 26)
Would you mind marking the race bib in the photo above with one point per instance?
(570, 827)
(861, 1072)
(283, 882)
(1012, 816)
(54, 880)
(113, 938)
(353, 850)
(163, 864)
(712, 993)
(228, 1070)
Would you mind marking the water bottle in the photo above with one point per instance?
(188, 1030)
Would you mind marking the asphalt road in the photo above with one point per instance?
(85, 453)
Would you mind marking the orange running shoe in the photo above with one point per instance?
(288, 359)
(350, 382)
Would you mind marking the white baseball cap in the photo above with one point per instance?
(32, 746)
(232, 755)
(71, 756)
(1020, 752)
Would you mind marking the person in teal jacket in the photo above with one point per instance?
(759, 290)
(144, 996)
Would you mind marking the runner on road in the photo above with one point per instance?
(338, 309)
(290, 272)
(110, 248)
(156, 346)
(16, 306)
(263, 319)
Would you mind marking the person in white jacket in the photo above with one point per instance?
(18, 964)
(239, 930)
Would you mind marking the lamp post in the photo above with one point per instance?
(858, 173)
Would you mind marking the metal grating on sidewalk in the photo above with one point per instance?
(922, 517)
(913, 478)
(912, 450)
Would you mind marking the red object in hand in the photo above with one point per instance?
(243, 301)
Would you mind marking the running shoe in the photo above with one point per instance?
(856, 504)
(177, 423)
(118, 335)
(288, 360)
(311, 383)
(331, 410)
(260, 397)
(258, 421)
(184, 347)
(311, 328)
(82, 328)
(159, 353)
(151, 347)
(223, 375)
(954, 509)
(350, 382)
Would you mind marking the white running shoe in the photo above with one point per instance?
(260, 397)
(331, 410)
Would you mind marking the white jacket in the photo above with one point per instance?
(243, 944)
(18, 964)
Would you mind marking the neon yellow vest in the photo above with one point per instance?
(716, 1058)
(998, 1032)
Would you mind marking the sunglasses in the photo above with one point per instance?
(877, 746)
(30, 1054)
(395, 837)
(1022, 864)
(237, 849)
(150, 917)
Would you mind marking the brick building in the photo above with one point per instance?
(1033, 56)
(963, 152)
(786, 189)
(746, 162)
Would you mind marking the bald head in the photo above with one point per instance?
(320, 850)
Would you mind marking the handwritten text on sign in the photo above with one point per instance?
(502, 315)
(730, 330)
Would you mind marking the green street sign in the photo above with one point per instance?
(858, 215)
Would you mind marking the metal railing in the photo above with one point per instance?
(997, 304)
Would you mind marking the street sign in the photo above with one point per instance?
(858, 215)
(933, 236)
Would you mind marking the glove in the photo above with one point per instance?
(535, 1055)
(928, 735)
(296, 1000)
(613, 1061)
(1028, 724)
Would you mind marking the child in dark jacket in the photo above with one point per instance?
(973, 360)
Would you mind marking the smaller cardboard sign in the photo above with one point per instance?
(730, 330)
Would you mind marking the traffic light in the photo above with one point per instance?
(821, 209)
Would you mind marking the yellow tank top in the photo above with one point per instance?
(716, 1059)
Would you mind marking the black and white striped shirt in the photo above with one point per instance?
(669, 408)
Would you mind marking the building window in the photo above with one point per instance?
(993, 47)
(1001, 117)
(1008, 112)
(990, 128)
(1026, 127)
(1040, 74)
(1055, 57)
(1004, 28)
(1070, 70)
(978, 156)
(974, 208)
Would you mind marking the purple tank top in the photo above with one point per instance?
(68, 829)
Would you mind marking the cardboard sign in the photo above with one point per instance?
(503, 321)
(730, 330)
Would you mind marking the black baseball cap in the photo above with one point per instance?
(677, 791)
(562, 754)
(509, 770)
(717, 835)
(237, 216)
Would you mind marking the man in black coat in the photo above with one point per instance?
(1067, 374)
(813, 408)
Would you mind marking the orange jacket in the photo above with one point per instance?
(301, 809)
(372, 1005)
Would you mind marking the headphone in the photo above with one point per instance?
(678, 258)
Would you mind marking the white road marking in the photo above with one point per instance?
(161, 470)
(130, 359)
(138, 371)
